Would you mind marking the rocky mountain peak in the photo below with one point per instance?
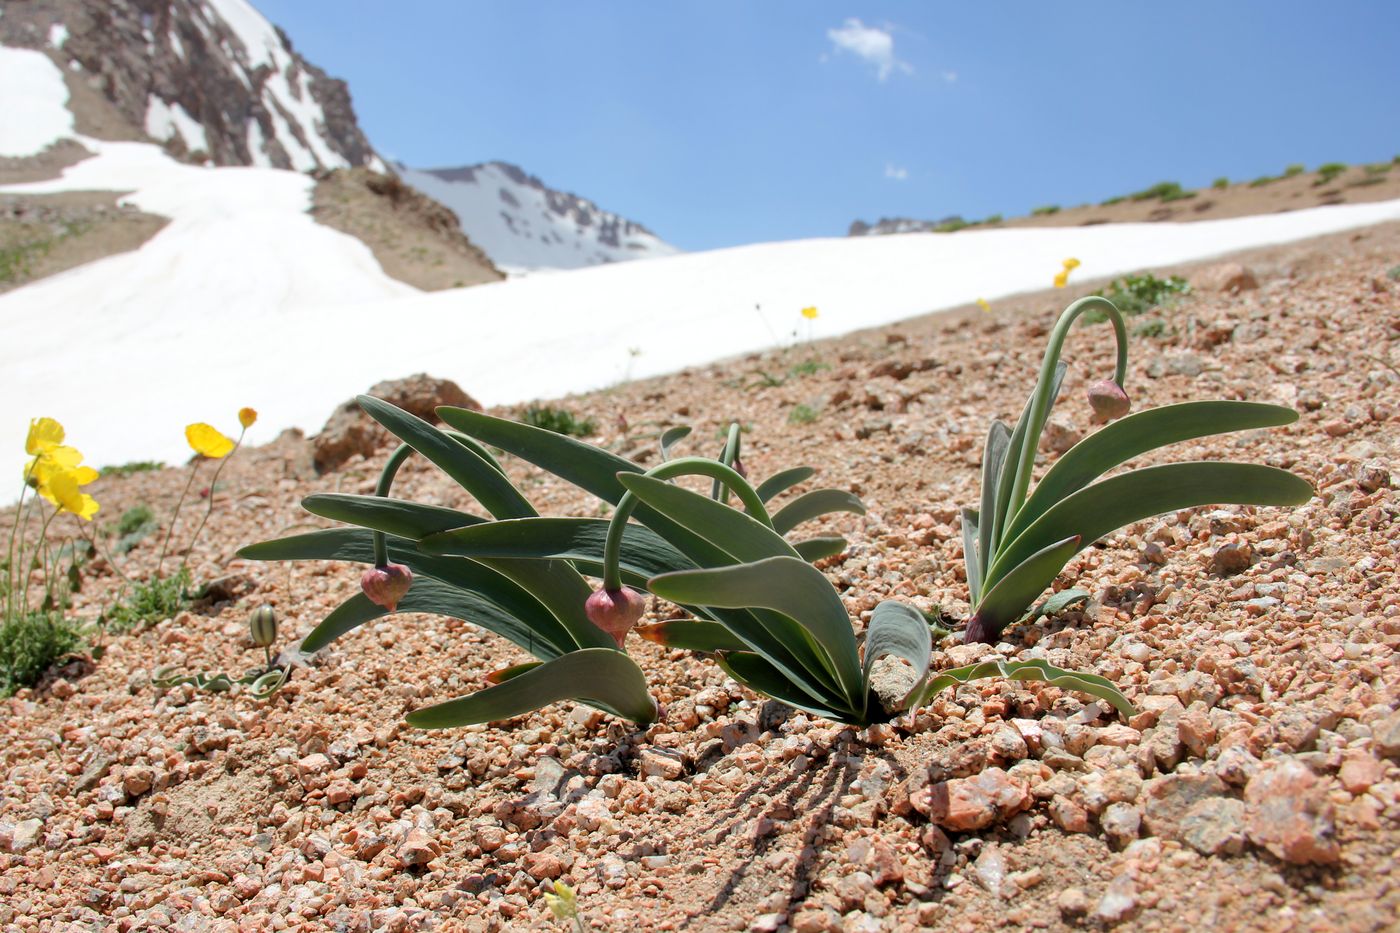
(212, 79)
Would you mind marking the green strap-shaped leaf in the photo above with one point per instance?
(1108, 505)
(602, 677)
(787, 585)
(1012, 595)
(644, 552)
(761, 677)
(432, 596)
(902, 631)
(691, 635)
(993, 461)
(671, 437)
(971, 558)
(590, 468)
(512, 672)
(815, 549)
(779, 483)
(477, 476)
(1037, 669)
(740, 535)
(392, 516)
(357, 546)
(1059, 602)
(1136, 434)
(1021, 436)
(814, 504)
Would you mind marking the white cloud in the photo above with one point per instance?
(896, 172)
(871, 43)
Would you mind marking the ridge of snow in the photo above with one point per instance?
(33, 101)
(244, 300)
(165, 121)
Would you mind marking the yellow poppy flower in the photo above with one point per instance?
(1071, 263)
(206, 440)
(60, 486)
(44, 434)
(246, 417)
(984, 304)
(1061, 279)
(810, 313)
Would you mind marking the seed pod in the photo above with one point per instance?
(615, 611)
(1108, 400)
(386, 585)
(262, 624)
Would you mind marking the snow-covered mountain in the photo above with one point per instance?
(211, 79)
(526, 226)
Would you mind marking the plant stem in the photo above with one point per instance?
(386, 482)
(11, 578)
(91, 538)
(727, 457)
(213, 485)
(1040, 402)
(194, 471)
(686, 466)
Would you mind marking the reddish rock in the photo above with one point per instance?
(1227, 277)
(350, 431)
(975, 802)
(1287, 812)
(1068, 815)
(417, 848)
(1359, 771)
(1167, 800)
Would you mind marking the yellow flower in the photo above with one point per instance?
(984, 304)
(1071, 263)
(44, 434)
(563, 903)
(810, 313)
(246, 417)
(1061, 279)
(208, 441)
(61, 488)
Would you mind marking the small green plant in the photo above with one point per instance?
(263, 681)
(1163, 191)
(519, 574)
(147, 602)
(802, 414)
(993, 219)
(558, 420)
(136, 524)
(1015, 544)
(1045, 210)
(30, 643)
(1135, 294)
(1262, 180)
(951, 226)
(132, 468)
(1221, 183)
(1394, 273)
(563, 904)
(808, 368)
(1152, 329)
(1294, 170)
(1109, 202)
(1329, 171)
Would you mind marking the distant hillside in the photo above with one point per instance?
(1167, 201)
(524, 225)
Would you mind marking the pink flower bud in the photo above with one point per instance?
(615, 611)
(385, 586)
(1108, 400)
(739, 468)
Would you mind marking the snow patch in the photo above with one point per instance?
(58, 34)
(164, 121)
(33, 101)
(244, 300)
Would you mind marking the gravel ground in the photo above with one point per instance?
(1257, 788)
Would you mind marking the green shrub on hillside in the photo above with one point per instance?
(149, 602)
(558, 420)
(30, 643)
(1294, 170)
(1046, 210)
(135, 466)
(1135, 294)
(1221, 183)
(1329, 171)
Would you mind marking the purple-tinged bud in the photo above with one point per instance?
(1108, 400)
(615, 611)
(385, 586)
(739, 468)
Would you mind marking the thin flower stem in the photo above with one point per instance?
(10, 577)
(730, 454)
(43, 551)
(91, 537)
(194, 471)
(685, 466)
(1040, 402)
(213, 486)
(386, 482)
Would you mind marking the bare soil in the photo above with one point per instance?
(126, 807)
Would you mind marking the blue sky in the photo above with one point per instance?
(722, 123)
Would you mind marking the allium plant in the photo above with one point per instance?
(520, 574)
(1016, 543)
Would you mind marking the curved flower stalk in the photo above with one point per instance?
(1015, 544)
(209, 444)
(263, 681)
(520, 574)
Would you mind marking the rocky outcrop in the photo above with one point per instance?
(212, 80)
(350, 431)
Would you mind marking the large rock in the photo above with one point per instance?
(1226, 277)
(350, 431)
(1288, 813)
